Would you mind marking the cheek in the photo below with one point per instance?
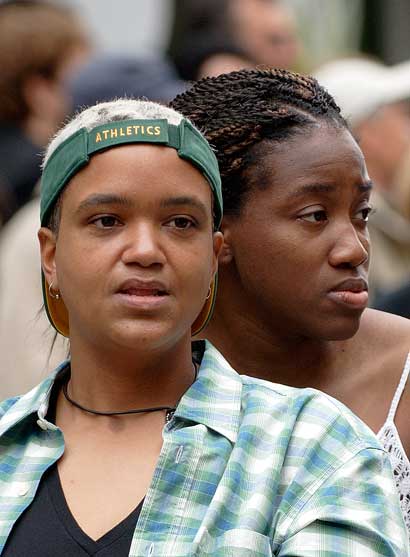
(265, 246)
(75, 266)
(277, 262)
(198, 270)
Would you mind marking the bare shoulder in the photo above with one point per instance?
(388, 341)
(385, 333)
(383, 340)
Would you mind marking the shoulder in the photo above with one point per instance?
(377, 323)
(7, 404)
(310, 416)
(386, 336)
(15, 409)
(307, 415)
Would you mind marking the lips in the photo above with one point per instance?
(143, 288)
(352, 285)
(351, 293)
(143, 292)
(143, 297)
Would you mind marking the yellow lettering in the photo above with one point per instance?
(149, 130)
(122, 134)
(114, 132)
(98, 137)
(157, 130)
(136, 128)
(105, 133)
(142, 130)
(129, 130)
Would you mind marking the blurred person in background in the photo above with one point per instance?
(403, 188)
(25, 335)
(266, 30)
(106, 76)
(210, 37)
(40, 45)
(375, 100)
(398, 301)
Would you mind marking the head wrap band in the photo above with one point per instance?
(75, 152)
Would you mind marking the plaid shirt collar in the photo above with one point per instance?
(214, 400)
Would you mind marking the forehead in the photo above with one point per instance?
(325, 153)
(148, 171)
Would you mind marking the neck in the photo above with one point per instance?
(109, 380)
(254, 347)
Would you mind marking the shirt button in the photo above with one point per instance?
(42, 424)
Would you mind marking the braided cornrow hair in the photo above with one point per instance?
(238, 111)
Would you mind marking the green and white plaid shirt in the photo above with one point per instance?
(247, 468)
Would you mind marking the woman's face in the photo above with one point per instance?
(135, 252)
(301, 244)
(266, 31)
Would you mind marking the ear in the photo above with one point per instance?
(47, 241)
(218, 242)
(226, 255)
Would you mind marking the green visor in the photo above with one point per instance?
(75, 152)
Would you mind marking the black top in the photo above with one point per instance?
(47, 528)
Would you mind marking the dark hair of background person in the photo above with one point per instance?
(41, 44)
(200, 29)
(35, 37)
(244, 113)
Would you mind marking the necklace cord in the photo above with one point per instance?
(169, 409)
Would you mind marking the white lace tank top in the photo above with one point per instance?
(390, 439)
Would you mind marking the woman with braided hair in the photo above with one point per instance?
(293, 271)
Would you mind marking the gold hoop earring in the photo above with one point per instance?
(54, 295)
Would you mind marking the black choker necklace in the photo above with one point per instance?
(169, 410)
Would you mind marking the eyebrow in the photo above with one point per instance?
(327, 188)
(312, 188)
(185, 200)
(97, 199)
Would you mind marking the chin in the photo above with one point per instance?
(146, 336)
(341, 329)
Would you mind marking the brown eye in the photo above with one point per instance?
(364, 213)
(182, 223)
(106, 221)
(315, 216)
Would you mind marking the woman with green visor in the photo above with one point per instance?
(143, 443)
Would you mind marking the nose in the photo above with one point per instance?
(142, 246)
(350, 249)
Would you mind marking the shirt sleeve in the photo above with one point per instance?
(354, 512)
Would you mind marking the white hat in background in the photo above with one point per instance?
(361, 86)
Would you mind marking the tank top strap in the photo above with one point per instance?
(399, 390)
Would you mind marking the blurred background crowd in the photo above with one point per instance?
(56, 57)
